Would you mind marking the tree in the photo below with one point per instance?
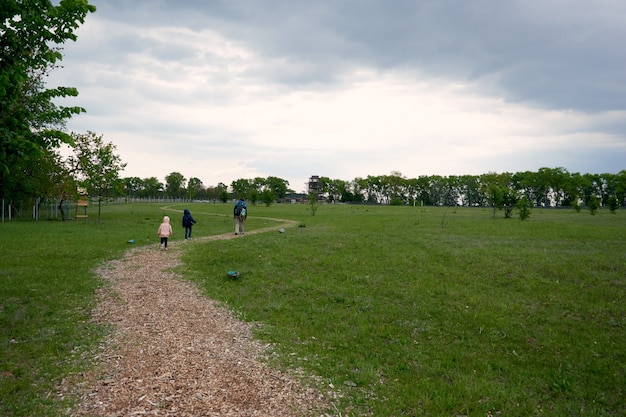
(396, 188)
(470, 190)
(218, 192)
(424, 194)
(175, 185)
(152, 187)
(593, 205)
(254, 196)
(241, 187)
(494, 197)
(221, 192)
(359, 186)
(278, 186)
(437, 190)
(524, 208)
(46, 177)
(132, 186)
(194, 186)
(344, 189)
(267, 197)
(223, 196)
(497, 189)
(613, 203)
(573, 190)
(313, 202)
(509, 201)
(259, 184)
(61, 184)
(30, 122)
(97, 167)
(592, 190)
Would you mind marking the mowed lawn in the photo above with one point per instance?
(399, 310)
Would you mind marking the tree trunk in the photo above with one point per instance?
(61, 209)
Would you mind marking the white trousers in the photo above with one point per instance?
(239, 221)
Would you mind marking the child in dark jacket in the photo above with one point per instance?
(188, 221)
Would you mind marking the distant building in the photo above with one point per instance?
(294, 198)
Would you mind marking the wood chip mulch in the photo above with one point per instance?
(173, 352)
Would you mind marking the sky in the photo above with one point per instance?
(223, 90)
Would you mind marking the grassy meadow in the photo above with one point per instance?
(411, 311)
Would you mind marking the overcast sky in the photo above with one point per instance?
(222, 90)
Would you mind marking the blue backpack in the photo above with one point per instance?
(240, 209)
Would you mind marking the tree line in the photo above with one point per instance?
(547, 187)
(256, 189)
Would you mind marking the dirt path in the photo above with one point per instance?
(175, 353)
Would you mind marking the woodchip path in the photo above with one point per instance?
(173, 352)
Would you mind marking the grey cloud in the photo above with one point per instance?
(542, 53)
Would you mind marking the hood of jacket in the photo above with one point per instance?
(186, 212)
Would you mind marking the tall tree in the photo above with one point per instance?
(97, 167)
(175, 185)
(358, 186)
(152, 187)
(278, 186)
(497, 189)
(222, 192)
(242, 187)
(574, 190)
(133, 185)
(30, 122)
(194, 186)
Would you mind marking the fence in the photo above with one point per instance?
(48, 209)
(41, 210)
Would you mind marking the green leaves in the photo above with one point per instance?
(31, 124)
(97, 166)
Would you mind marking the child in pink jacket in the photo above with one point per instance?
(164, 232)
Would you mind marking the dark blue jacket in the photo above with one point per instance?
(188, 221)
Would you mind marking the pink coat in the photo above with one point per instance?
(165, 229)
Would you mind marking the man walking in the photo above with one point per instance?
(240, 214)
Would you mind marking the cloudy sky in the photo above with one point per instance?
(229, 89)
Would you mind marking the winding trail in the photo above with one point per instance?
(173, 352)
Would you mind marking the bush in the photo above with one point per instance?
(524, 209)
(613, 203)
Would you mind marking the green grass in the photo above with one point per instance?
(402, 315)
(47, 290)
(411, 318)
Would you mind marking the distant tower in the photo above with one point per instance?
(315, 184)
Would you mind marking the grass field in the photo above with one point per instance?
(404, 310)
